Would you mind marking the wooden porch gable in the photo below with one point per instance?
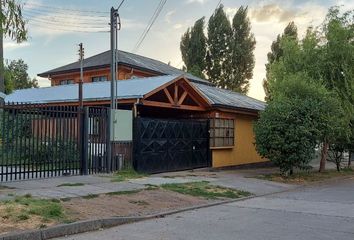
(177, 94)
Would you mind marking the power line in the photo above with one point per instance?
(217, 5)
(59, 29)
(150, 24)
(92, 18)
(63, 9)
(64, 24)
(68, 22)
(121, 3)
(66, 13)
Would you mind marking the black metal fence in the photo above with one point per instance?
(38, 141)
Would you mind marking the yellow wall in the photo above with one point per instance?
(244, 151)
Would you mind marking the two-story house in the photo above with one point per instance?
(157, 91)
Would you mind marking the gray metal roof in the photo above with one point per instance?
(227, 98)
(124, 58)
(2, 95)
(134, 88)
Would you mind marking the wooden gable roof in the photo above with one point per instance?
(177, 94)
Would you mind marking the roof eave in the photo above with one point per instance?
(240, 109)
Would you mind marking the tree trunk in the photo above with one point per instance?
(350, 159)
(324, 154)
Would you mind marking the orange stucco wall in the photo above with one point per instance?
(123, 73)
(244, 151)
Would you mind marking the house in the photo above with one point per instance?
(180, 121)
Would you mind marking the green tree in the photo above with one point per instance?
(242, 46)
(276, 52)
(16, 76)
(293, 123)
(193, 48)
(12, 25)
(338, 60)
(326, 56)
(218, 58)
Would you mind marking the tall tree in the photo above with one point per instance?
(12, 25)
(243, 45)
(193, 48)
(276, 52)
(17, 76)
(338, 60)
(218, 58)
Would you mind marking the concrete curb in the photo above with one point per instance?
(93, 225)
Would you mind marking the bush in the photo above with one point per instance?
(285, 135)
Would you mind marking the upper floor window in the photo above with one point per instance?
(99, 78)
(66, 82)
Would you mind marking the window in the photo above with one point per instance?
(221, 132)
(66, 82)
(99, 79)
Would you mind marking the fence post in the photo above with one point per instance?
(85, 141)
(108, 140)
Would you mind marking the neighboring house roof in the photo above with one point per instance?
(124, 58)
(128, 89)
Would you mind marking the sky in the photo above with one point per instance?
(56, 28)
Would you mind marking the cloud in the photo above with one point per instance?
(168, 16)
(197, 1)
(268, 24)
(43, 82)
(271, 12)
(177, 26)
(8, 46)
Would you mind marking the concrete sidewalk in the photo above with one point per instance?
(95, 184)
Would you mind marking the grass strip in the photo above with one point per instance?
(205, 190)
(123, 192)
(22, 208)
(306, 176)
(71, 185)
(126, 174)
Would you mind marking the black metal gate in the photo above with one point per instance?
(96, 152)
(162, 145)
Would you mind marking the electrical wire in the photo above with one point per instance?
(60, 29)
(121, 3)
(61, 16)
(36, 5)
(217, 5)
(63, 24)
(150, 24)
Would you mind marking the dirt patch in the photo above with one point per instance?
(12, 219)
(137, 204)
